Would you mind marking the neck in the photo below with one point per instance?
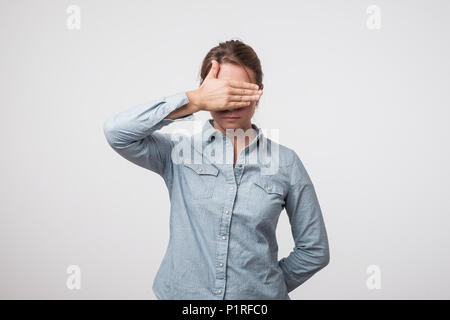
(223, 130)
(235, 136)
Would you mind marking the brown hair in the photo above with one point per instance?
(235, 52)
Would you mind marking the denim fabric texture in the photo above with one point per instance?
(223, 218)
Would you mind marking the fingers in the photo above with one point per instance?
(233, 105)
(244, 95)
(237, 98)
(243, 85)
(243, 92)
(214, 70)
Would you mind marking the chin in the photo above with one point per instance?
(232, 125)
(235, 124)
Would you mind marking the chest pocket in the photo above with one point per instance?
(200, 180)
(267, 197)
(270, 186)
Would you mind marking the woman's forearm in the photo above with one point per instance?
(189, 108)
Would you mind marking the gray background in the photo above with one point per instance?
(366, 110)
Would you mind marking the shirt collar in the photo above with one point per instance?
(210, 133)
(203, 140)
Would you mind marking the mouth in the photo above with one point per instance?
(230, 118)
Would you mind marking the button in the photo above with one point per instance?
(269, 188)
(227, 212)
(220, 291)
(221, 264)
(200, 170)
(231, 188)
(224, 237)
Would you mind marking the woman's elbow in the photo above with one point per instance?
(324, 259)
(109, 131)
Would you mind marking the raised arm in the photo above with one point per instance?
(131, 133)
(311, 251)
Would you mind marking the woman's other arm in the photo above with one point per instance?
(311, 252)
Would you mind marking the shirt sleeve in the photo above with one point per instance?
(131, 133)
(311, 250)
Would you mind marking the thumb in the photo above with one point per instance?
(214, 70)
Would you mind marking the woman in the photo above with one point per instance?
(225, 197)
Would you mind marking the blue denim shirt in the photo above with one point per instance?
(223, 218)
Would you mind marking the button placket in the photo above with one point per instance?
(238, 170)
(222, 246)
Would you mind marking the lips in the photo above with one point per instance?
(229, 117)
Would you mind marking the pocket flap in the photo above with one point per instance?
(270, 186)
(203, 168)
